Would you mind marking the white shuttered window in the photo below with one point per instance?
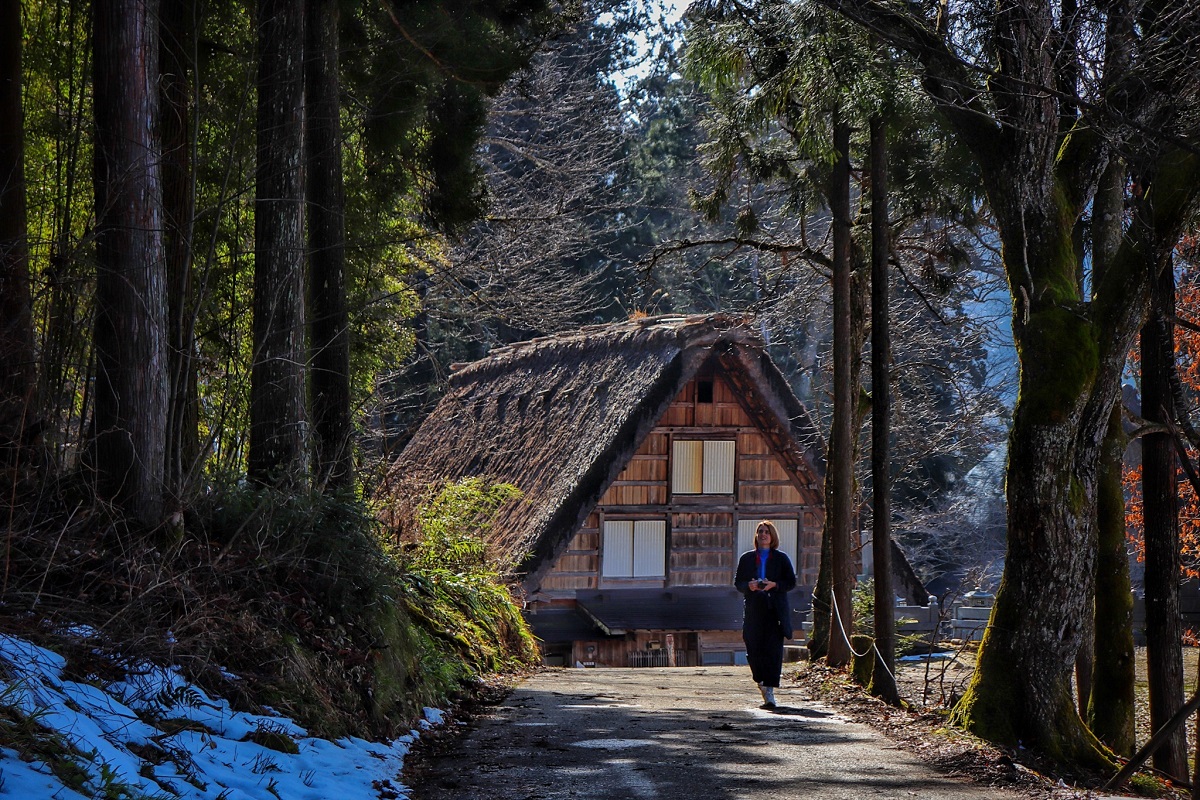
(687, 466)
(701, 466)
(618, 549)
(718, 467)
(789, 539)
(634, 549)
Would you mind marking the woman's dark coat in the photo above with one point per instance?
(765, 607)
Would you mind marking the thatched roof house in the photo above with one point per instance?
(561, 417)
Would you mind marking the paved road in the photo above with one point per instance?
(667, 734)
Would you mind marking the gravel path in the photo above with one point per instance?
(686, 733)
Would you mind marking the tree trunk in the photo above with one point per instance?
(818, 641)
(1039, 179)
(1021, 691)
(277, 440)
(131, 387)
(183, 444)
(1164, 655)
(329, 322)
(839, 489)
(17, 359)
(883, 682)
(1110, 710)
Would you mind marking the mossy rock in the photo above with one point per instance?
(278, 741)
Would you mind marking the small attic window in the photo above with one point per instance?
(704, 391)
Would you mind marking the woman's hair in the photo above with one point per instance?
(770, 526)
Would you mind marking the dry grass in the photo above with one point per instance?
(1191, 667)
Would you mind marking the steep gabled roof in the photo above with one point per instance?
(560, 416)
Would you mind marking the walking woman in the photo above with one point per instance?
(764, 577)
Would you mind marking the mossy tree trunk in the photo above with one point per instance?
(1040, 171)
(1021, 691)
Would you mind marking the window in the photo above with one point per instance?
(788, 537)
(634, 548)
(704, 391)
(702, 466)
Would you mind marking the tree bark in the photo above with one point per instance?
(277, 437)
(1164, 655)
(839, 489)
(1110, 710)
(329, 333)
(883, 681)
(131, 386)
(183, 443)
(17, 358)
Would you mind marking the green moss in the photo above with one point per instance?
(862, 667)
(1060, 357)
(1059, 282)
(1147, 785)
(275, 740)
(986, 707)
(394, 665)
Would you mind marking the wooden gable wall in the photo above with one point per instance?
(701, 529)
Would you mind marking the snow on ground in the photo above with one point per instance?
(154, 735)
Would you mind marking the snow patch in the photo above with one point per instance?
(155, 734)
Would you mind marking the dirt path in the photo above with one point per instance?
(691, 734)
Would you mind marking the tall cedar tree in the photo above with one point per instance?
(883, 681)
(178, 23)
(277, 389)
(839, 480)
(1040, 178)
(131, 286)
(329, 321)
(16, 323)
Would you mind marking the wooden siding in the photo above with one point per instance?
(621, 652)
(811, 524)
(701, 549)
(643, 482)
(701, 529)
(723, 412)
(762, 479)
(579, 566)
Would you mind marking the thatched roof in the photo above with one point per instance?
(560, 416)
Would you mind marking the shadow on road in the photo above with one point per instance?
(688, 733)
